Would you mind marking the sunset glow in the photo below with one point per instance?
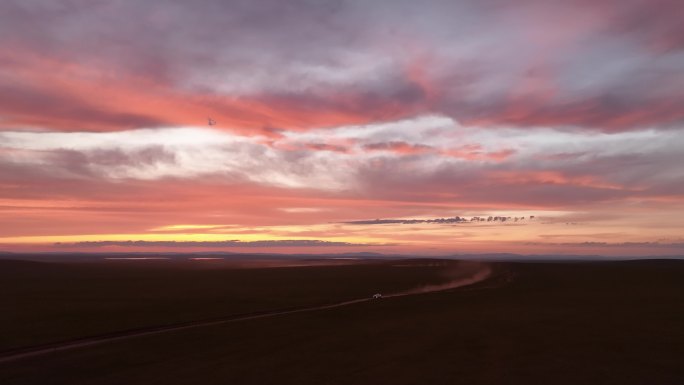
(526, 127)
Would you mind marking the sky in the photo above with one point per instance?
(405, 127)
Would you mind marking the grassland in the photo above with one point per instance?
(49, 302)
(555, 323)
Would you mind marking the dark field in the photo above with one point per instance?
(49, 302)
(553, 323)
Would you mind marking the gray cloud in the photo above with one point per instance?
(218, 244)
(94, 163)
(451, 220)
(664, 245)
(609, 167)
(608, 64)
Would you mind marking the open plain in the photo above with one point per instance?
(534, 322)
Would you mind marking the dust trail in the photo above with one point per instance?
(462, 274)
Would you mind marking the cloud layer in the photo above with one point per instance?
(330, 113)
(603, 65)
(213, 244)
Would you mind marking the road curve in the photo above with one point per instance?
(478, 276)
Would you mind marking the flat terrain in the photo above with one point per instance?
(50, 302)
(554, 323)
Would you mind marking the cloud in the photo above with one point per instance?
(168, 153)
(348, 108)
(526, 169)
(474, 152)
(437, 220)
(607, 65)
(215, 244)
(626, 245)
(398, 147)
(326, 147)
